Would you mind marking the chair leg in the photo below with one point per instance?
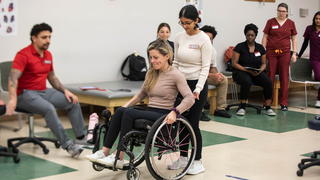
(31, 139)
(306, 95)
(5, 152)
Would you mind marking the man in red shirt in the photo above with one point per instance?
(31, 67)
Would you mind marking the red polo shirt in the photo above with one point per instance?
(279, 36)
(34, 69)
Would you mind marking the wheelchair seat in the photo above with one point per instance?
(142, 124)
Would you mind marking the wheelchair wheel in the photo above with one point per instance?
(163, 147)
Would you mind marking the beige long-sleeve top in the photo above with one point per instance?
(166, 89)
(193, 57)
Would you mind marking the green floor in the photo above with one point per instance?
(29, 167)
(283, 122)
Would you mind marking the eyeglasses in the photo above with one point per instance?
(185, 23)
(282, 11)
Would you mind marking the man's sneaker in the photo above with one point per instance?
(196, 168)
(222, 113)
(317, 105)
(180, 163)
(204, 117)
(270, 112)
(74, 150)
(83, 142)
(95, 156)
(284, 108)
(241, 112)
(109, 161)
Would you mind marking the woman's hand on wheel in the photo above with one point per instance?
(171, 117)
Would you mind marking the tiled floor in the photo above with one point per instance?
(254, 147)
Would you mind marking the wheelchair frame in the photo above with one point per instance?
(149, 136)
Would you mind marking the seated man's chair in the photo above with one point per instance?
(3, 150)
(314, 160)
(5, 71)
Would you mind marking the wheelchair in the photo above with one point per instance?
(162, 143)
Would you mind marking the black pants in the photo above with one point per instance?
(193, 116)
(2, 109)
(246, 80)
(123, 119)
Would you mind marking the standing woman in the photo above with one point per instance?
(193, 52)
(278, 33)
(312, 34)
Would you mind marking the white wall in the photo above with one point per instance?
(92, 38)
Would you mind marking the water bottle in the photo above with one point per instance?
(93, 120)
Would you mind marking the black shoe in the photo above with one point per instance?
(204, 117)
(284, 108)
(222, 113)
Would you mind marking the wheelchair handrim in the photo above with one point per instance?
(184, 171)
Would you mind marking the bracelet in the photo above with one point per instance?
(176, 111)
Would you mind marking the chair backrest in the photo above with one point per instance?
(301, 70)
(5, 68)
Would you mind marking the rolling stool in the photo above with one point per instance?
(3, 150)
(31, 138)
(314, 160)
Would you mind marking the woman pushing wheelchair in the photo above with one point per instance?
(162, 85)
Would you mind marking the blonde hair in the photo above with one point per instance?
(152, 75)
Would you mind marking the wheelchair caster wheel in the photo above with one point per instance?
(133, 174)
(57, 144)
(45, 151)
(299, 173)
(16, 159)
(97, 167)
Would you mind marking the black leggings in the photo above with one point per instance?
(193, 116)
(246, 80)
(2, 109)
(123, 119)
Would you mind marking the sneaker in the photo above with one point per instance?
(317, 105)
(109, 161)
(204, 117)
(196, 168)
(222, 113)
(241, 112)
(180, 163)
(95, 156)
(74, 150)
(284, 108)
(270, 112)
(83, 142)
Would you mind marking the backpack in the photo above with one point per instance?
(137, 68)
(227, 58)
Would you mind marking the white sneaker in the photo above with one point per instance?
(95, 156)
(241, 112)
(180, 163)
(270, 112)
(317, 104)
(196, 168)
(109, 161)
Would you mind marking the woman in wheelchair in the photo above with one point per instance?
(162, 84)
(249, 63)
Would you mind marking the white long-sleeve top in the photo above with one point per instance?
(193, 57)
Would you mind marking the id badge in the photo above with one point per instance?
(47, 61)
(194, 46)
(257, 54)
(275, 27)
